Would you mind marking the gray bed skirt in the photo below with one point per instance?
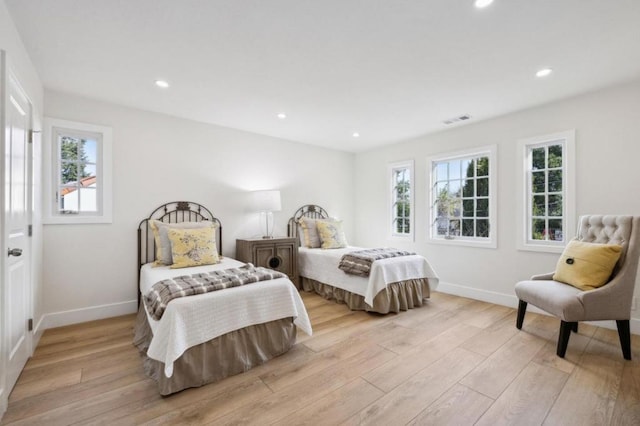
(224, 356)
(397, 297)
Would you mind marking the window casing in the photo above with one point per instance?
(78, 159)
(462, 198)
(548, 188)
(401, 176)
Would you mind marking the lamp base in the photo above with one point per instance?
(267, 221)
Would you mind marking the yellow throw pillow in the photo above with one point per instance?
(193, 247)
(587, 265)
(331, 234)
(163, 245)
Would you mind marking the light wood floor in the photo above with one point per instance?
(453, 361)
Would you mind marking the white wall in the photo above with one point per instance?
(22, 68)
(158, 158)
(607, 125)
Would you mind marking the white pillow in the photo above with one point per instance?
(310, 237)
(300, 234)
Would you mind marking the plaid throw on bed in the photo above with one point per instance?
(359, 262)
(165, 291)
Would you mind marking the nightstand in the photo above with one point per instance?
(280, 254)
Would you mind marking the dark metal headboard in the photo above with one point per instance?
(173, 212)
(311, 211)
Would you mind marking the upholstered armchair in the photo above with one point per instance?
(609, 302)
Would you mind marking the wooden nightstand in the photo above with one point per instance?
(280, 254)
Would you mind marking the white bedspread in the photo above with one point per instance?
(322, 265)
(190, 321)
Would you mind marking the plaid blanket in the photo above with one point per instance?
(359, 262)
(165, 291)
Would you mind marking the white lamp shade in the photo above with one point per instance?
(266, 201)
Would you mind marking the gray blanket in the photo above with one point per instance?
(359, 262)
(165, 291)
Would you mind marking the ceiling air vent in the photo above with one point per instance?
(456, 119)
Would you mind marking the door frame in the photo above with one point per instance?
(6, 75)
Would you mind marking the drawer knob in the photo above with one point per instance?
(274, 262)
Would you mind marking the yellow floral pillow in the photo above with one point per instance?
(587, 265)
(160, 234)
(331, 234)
(193, 247)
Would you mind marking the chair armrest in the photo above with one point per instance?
(611, 301)
(546, 277)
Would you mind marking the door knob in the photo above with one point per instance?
(15, 252)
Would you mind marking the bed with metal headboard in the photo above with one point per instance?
(173, 212)
(393, 285)
(203, 338)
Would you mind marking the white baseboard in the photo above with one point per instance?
(4, 402)
(38, 330)
(477, 294)
(512, 302)
(59, 319)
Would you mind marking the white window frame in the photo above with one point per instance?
(489, 151)
(51, 215)
(567, 140)
(408, 164)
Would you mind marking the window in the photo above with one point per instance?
(462, 194)
(401, 199)
(79, 163)
(548, 188)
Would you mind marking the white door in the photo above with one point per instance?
(17, 277)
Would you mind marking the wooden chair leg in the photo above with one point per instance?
(522, 309)
(563, 338)
(625, 338)
(575, 327)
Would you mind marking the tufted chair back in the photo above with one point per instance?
(607, 230)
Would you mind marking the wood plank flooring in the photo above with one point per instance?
(452, 361)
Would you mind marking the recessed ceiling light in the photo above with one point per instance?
(544, 72)
(482, 3)
(356, 135)
(162, 83)
(282, 116)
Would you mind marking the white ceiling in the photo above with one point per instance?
(388, 69)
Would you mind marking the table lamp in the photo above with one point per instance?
(266, 202)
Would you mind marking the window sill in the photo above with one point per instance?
(75, 220)
(541, 248)
(399, 237)
(491, 244)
